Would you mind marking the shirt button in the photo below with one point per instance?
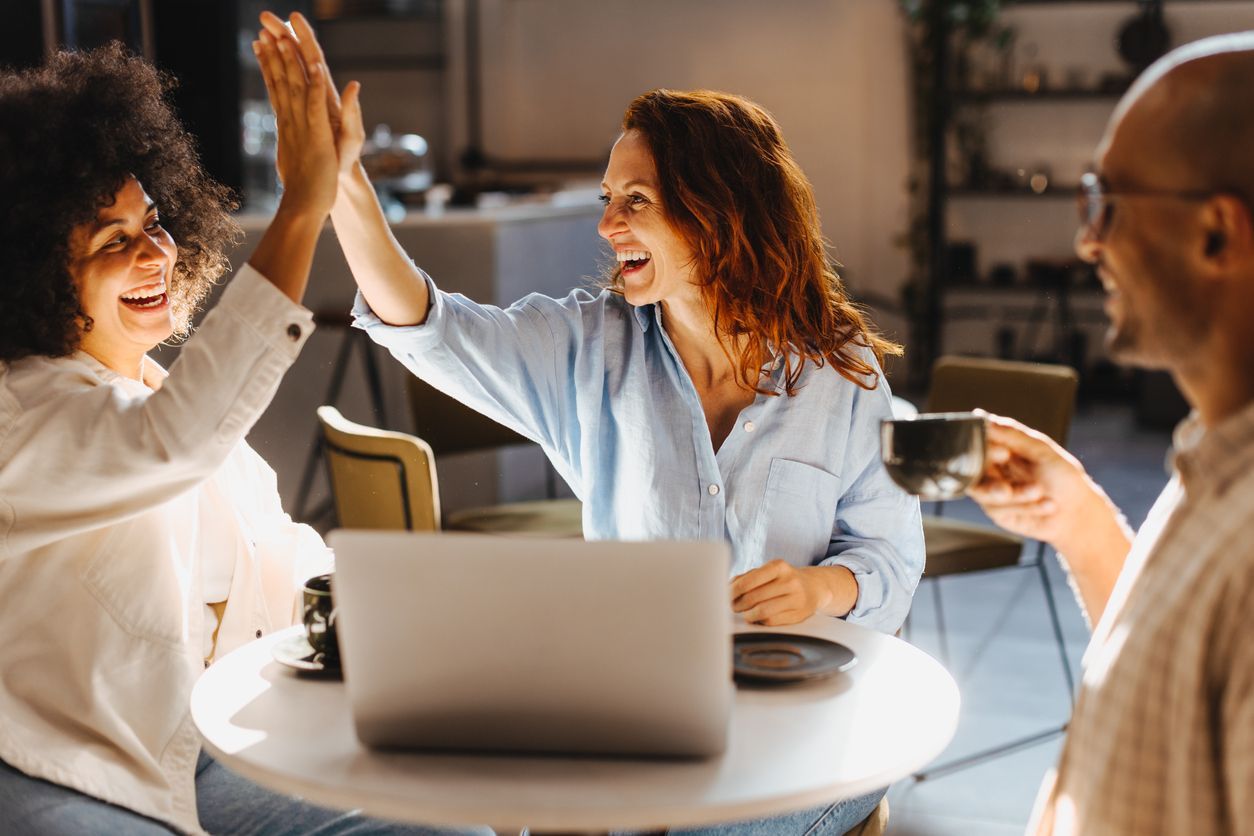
(750, 426)
(293, 332)
(258, 634)
(713, 489)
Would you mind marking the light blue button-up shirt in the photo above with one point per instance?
(598, 384)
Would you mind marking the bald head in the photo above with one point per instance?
(1192, 114)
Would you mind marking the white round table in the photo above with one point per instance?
(790, 747)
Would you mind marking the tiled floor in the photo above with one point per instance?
(1003, 655)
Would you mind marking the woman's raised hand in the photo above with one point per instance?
(391, 284)
(308, 158)
(344, 113)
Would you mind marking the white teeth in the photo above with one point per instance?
(632, 255)
(145, 292)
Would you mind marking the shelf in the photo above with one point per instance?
(429, 63)
(1053, 192)
(1020, 289)
(1009, 4)
(1055, 94)
(335, 11)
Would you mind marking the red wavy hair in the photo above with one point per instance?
(734, 194)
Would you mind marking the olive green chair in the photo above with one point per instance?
(1042, 396)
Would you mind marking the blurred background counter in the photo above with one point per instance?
(495, 255)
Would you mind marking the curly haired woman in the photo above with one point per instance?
(722, 386)
(140, 536)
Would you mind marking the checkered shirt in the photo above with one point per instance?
(1162, 737)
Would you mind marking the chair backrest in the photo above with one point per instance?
(450, 426)
(379, 479)
(1040, 395)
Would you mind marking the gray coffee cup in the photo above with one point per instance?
(934, 455)
(319, 615)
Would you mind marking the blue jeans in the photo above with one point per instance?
(830, 820)
(225, 802)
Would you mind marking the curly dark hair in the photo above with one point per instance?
(71, 133)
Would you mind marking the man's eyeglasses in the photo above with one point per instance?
(1096, 202)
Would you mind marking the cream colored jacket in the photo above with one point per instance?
(111, 495)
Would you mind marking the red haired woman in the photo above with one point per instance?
(721, 386)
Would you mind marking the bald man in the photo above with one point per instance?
(1162, 738)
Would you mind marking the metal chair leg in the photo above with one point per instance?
(1029, 740)
(301, 511)
(942, 637)
(374, 384)
(374, 381)
(988, 754)
(1054, 621)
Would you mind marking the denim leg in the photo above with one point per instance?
(829, 820)
(229, 803)
(33, 807)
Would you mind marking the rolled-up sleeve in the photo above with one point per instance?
(878, 531)
(76, 455)
(511, 364)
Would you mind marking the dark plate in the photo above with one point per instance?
(784, 657)
(295, 653)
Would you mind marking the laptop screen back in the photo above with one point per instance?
(460, 641)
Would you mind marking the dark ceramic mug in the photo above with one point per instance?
(319, 615)
(934, 455)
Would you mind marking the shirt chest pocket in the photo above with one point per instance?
(141, 575)
(798, 512)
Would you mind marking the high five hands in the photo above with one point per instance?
(320, 133)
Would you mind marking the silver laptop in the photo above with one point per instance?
(462, 641)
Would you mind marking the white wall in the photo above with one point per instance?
(559, 73)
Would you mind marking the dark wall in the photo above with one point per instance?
(196, 41)
(21, 35)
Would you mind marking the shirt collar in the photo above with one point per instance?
(646, 316)
(154, 374)
(1217, 455)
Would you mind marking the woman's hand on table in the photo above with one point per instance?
(778, 593)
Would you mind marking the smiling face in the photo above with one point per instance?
(122, 265)
(656, 264)
(1155, 303)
